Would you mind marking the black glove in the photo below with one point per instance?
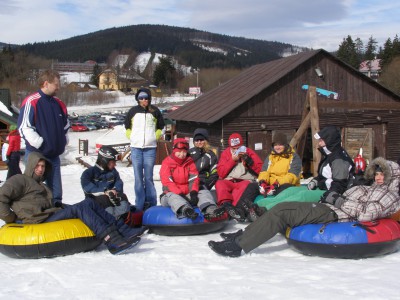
(115, 201)
(332, 198)
(194, 198)
(312, 185)
(58, 204)
(184, 197)
(247, 160)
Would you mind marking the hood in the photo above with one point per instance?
(384, 165)
(331, 136)
(33, 159)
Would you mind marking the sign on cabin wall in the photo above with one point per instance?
(356, 138)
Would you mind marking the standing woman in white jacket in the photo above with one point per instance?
(144, 124)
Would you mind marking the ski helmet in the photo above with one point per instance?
(105, 155)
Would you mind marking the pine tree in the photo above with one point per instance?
(348, 53)
(96, 75)
(370, 49)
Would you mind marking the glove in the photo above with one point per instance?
(247, 160)
(263, 187)
(312, 185)
(115, 201)
(194, 198)
(272, 189)
(184, 197)
(332, 198)
(58, 204)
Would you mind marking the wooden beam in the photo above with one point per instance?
(314, 127)
(358, 105)
(300, 132)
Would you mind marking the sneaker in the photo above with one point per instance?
(231, 236)
(118, 245)
(235, 212)
(226, 248)
(189, 212)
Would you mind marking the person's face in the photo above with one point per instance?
(40, 168)
(278, 148)
(181, 154)
(51, 88)
(199, 143)
(379, 178)
(143, 101)
(321, 143)
(111, 164)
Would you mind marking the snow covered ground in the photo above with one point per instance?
(162, 267)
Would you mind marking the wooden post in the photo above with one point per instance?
(312, 97)
(297, 138)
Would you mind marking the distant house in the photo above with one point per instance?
(272, 96)
(81, 86)
(85, 67)
(110, 80)
(371, 68)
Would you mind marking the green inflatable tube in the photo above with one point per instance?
(292, 194)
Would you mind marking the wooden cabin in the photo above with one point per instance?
(272, 96)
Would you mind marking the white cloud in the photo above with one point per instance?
(310, 23)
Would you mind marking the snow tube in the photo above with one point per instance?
(162, 220)
(347, 239)
(292, 194)
(46, 239)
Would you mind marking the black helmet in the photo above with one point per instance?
(106, 154)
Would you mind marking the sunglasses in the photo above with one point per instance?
(143, 98)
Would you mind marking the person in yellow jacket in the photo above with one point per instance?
(282, 168)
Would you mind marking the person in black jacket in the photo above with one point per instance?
(204, 158)
(336, 168)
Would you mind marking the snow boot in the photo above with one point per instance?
(116, 243)
(226, 248)
(231, 236)
(235, 213)
(189, 212)
(213, 212)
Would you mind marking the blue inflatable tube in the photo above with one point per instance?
(347, 239)
(162, 220)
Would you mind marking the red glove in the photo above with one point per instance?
(263, 186)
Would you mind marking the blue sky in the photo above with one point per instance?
(309, 23)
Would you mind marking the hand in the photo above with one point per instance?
(333, 198)
(247, 160)
(112, 195)
(263, 187)
(312, 185)
(184, 197)
(272, 189)
(194, 198)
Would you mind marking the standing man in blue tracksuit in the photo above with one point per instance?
(43, 124)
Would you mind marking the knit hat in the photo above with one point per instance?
(181, 144)
(279, 138)
(235, 140)
(200, 134)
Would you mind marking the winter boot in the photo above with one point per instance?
(235, 213)
(189, 212)
(231, 236)
(226, 248)
(115, 242)
(213, 212)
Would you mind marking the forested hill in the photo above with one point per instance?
(189, 46)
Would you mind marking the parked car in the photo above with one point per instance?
(90, 126)
(78, 127)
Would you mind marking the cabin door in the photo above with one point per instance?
(260, 142)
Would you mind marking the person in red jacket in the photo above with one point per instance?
(237, 167)
(13, 152)
(180, 184)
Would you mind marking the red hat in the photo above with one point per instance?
(235, 140)
(181, 143)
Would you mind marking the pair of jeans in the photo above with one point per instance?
(53, 180)
(143, 160)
